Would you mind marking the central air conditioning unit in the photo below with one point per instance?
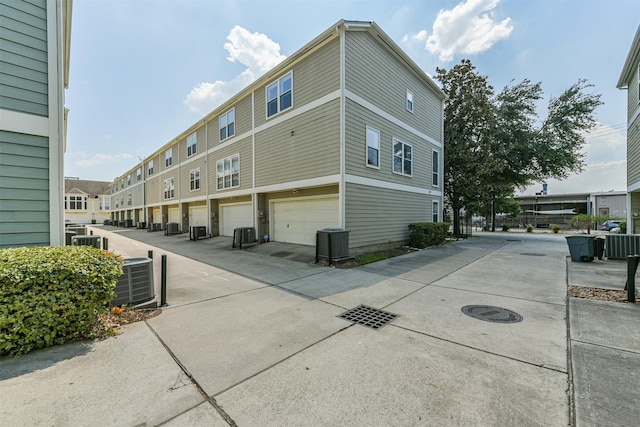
(154, 226)
(332, 244)
(86, 241)
(172, 228)
(243, 235)
(135, 286)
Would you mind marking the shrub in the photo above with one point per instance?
(425, 234)
(555, 228)
(623, 227)
(529, 228)
(506, 227)
(49, 295)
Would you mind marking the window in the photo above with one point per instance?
(409, 101)
(76, 203)
(104, 203)
(168, 157)
(150, 165)
(436, 167)
(436, 211)
(168, 188)
(402, 158)
(129, 199)
(228, 172)
(128, 179)
(121, 184)
(280, 95)
(138, 174)
(192, 144)
(373, 148)
(228, 124)
(194, 179)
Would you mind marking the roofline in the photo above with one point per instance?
(633, 57)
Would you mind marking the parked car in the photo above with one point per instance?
(609, 224)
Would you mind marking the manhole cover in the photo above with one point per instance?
(491, 314)
(532, 254)
(368, 316)
(281, 254)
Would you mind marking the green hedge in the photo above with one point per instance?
(425, 234)
(49, 295)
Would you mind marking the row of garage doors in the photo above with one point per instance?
(291, 221)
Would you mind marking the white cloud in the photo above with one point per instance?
(469, 29)
(255, 51)
(101, 159)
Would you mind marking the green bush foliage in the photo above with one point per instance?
(506, 227)
(49, 295)
(623, 227)
(529, 228)
(425, 234)
(555, 228)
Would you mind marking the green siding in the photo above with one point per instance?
(633, 152)
(24, 190)
(23, 57)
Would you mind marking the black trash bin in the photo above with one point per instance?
(580, 248)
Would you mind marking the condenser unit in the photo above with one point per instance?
(172, 228)
(243, 235)
(135, 286)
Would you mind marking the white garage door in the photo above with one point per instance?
(174, 215)
(235, 216)
(297, 221)
(157, 216)
(197, 216)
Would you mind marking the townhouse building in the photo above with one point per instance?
(86, 201)
(34, 72)
(630, 80)
(345, 133)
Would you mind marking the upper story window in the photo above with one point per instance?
(105, 203)
(168, 157)
(75, 203)
(192, 144)
(138, 174)
(194, 179)
(122, 183)
(228, 172)
(373, 148)
(280, 95)
(129, 199)
(435, 211)
(150, 166)
(169, 188)
(228, 124)
(436, 168)
(402, 158)
(409, 101)
(129, 179)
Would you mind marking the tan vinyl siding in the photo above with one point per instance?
(185, 177)
(242, 147)
(24, 190)
(357, 119)
(174, 162)
(378, 76)
(395, 210)
(175, 174)
(23, 57)
(154, 188)
(313, 77)
(633, 152)
(312, 151)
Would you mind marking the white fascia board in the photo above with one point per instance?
(360, 180)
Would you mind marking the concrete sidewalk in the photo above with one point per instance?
(253, 338)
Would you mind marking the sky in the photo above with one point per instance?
(144, 71)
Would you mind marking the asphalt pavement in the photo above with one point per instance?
(263, 336)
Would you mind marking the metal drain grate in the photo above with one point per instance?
(491, 314)
(368, 316)
(532, 254)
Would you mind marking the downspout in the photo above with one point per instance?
(341, 187)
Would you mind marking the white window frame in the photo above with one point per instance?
(150, 167)
(105, 203)
(194, 179)
(128, 180)
(169, 188)
(74, 201)
(229, 126)
(279, 95)
(129, 199)
(192, 144)
(435, 168)
(370, 130)
(393, 157)
(410, 103)
(138, 174)
(435, 215)
(168, 158)
(225, 172)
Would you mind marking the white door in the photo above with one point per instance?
(174, 215)
(197, 216)
(297, 221)
(234, 216)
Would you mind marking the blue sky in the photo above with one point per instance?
(143, 71)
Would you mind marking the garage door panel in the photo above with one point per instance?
(198, 216)
(174, 215)
(297, 221)
(235, 216)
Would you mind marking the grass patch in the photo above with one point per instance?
(379, 256)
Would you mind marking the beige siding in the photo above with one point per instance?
(313, 77)
(357, 119)
(313, 150)
(394, 211)
(185, 178)
(378, 76)
(245, 149)
(175, 173)
(162, 161)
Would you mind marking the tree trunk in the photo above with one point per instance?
(493, 214)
